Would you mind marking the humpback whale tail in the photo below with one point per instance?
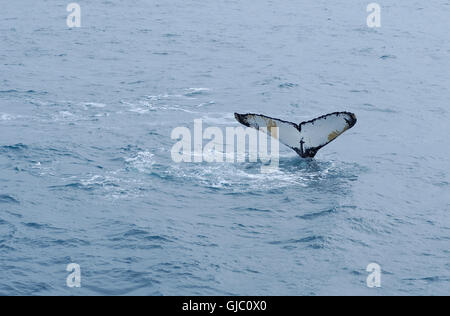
(305, 138)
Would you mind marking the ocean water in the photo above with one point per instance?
(87, 176)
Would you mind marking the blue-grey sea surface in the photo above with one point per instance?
(86, 174)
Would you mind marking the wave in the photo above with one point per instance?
(14, 91)
(4, 198)
(191, 92)
(16, 147)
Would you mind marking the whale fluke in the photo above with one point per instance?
(307, 137)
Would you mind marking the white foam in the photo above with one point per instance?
(195, 91)
(139, 110)
(143, 161)
(206, 104)
(143, 107)
(220, 119)
(6, 117)
(163, 96)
